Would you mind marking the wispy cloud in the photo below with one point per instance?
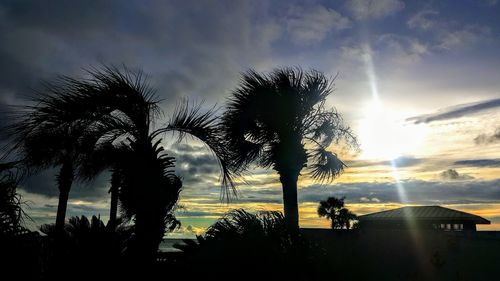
(458, 191)
(373, 9)
(424, 20)
(311, 25)
(456, 111)
(466, 36)
(402, 161)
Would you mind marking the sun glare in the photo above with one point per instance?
(384, 135)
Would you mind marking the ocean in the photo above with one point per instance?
(167, 245)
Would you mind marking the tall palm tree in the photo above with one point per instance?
(279, 121)
(148, 187)
(107, 157)
(334, 210)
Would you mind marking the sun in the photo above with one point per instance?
(384, 134)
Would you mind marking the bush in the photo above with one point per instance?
(86, 244)
(253, 245)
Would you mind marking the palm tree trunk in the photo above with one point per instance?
(149, 231)
(115, 182)
(290, 205)
(61, 210)
(64, 179)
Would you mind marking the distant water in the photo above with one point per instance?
(167, 245)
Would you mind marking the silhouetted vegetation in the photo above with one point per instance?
(87, 244)
(16, 242)
(254, 246)
(11, 213)
(334, 210)
(88, 125)
(280, 121)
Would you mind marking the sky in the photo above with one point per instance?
(418, 82)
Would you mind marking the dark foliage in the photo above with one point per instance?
(334, 210)
(253, 246)
(106, 121)
(11, 213)
(280, 121)
(88, 245)
(17, 243)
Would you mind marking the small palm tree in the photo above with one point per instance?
(87, 243)
(11, 213)
(334, 210)
(279, 121)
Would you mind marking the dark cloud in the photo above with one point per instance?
(185, 148)
(456, 111)
(195, 49)
(452, 174)
(197, 168)
(417, 192)
(44, 183)
(487, 138)
(403, 161)
(479, 163)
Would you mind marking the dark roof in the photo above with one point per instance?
(424, 213)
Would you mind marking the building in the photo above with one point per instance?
(422, 217)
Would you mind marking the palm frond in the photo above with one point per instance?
(190, 120)
(270, 117)
(327, 166)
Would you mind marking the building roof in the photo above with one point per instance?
(424, 213)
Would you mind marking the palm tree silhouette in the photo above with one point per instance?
(334, 210)
(110, 117)
(11, 213)
(279, 121)
(42, 141)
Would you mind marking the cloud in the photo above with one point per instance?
(373, 9)
(417, 191)
(310, 25)
(452, 174)
(402, 49)
(367, 200)
(402, 162)
(44, 183)
(488, 139)
(468, 35)
(405, 161)
(447, 34)
(184, 47)
(456, 111)
(488, 3)
(424, 20)
(479, 163)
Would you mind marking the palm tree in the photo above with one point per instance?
(279, 121)
(148, 187)
(110, 117)
(43, 137)
(334, 210)
(107, 157)
(11, 213)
